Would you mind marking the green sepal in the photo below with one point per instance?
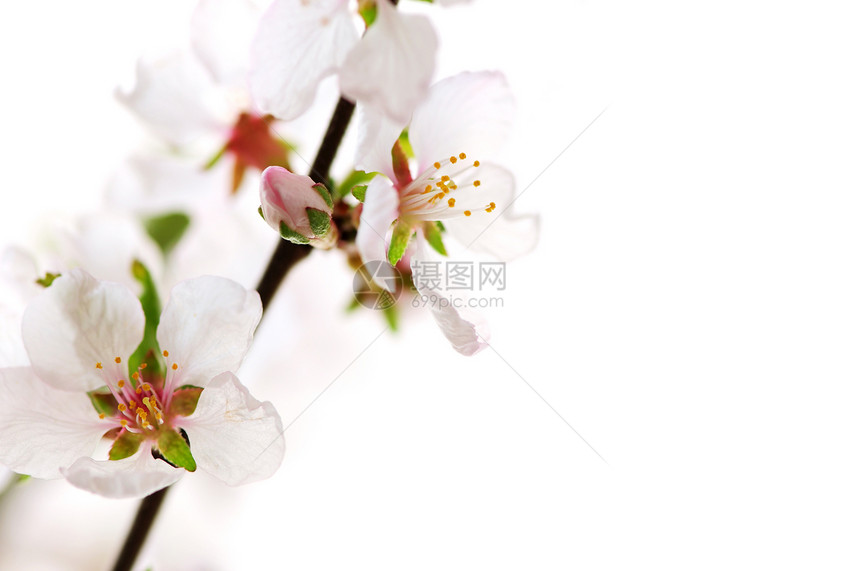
(353, 305)
(260, 212)
(434, 237)
(354, 178)
(367, 10)
(392, 316)
(399, 241)
(288, 234)
(47, 280)
(127, 444)
(103, 401)
(184, 401)
(440, 226)
(214, 160)
(166, 230)
(405, 145)
(359, 191)
(320, 221)
(176, 450)
(148, 351)
(324, 193)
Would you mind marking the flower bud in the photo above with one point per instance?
(297, 207)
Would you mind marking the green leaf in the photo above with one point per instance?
(368, 12)
(214, 160)
(320, 222)
(184, 401)
(176, 450)
(354, 178)
(360, 192)
(399, 241)
(324, 193)
(434, 237)
(47, 280)
(148, 351)
(127, 444)
(167, 229)
(103, 401)
(293, 236)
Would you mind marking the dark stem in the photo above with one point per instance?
(139, 530)
(286, 255)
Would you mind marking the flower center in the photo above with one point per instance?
(446, 189)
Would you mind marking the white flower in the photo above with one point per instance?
(79, 334)
(464, 119)
(300, 42)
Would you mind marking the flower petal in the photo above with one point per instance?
(233, 436)
(43, 429)
(377, 214)
(471, 112)
(176, 99)
(297, 44)
(207, 327)
(133, 477)
(392, 65)
(467, 332)
(77, 323)
(376, 136)
(500, 233)
(221, 33)
(17, 287)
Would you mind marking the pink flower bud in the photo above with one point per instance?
(297, 207)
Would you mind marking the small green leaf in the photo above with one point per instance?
(399, 241)
(260, 212)
(354, 178)
(127, 444)
(434, 237)
(184, 401)
(320, 222)
(103, 401)
(176, 450)
(292, 236)
(368, 12)
(167, 229)
(47, 280)
(324, 193)
(359, 191)
(392, 317)
(214, 160)
(148, 349)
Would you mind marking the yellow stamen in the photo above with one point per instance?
(121, 407)
(118, 360)
(102, 415)
(467, 212)
(477, 183)
(491, 207)
(135, 375)
(175, 366)
(451, 202)
(437, 165)
(453, 160)
(445, 178)
(147, 387)
(120, 383)
(477, 163)
(98, 365)
(462, 155)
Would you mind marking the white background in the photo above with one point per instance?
(691, 311)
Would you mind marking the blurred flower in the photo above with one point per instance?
(297, 207)
(78, 391)
(300, 42)
(464, 118)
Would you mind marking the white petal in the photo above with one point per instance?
(233, 436)
(78, 322)
(133, 477)
(500, 233)
(207, 327)
(221, 33)
(467, 332)
(392, 65)
(176, 99)
(43, 429)
(471, 112)
(17, 287)
(376, 136)
(298, 43)
(380, 209)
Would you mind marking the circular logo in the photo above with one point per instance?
(367, 289)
